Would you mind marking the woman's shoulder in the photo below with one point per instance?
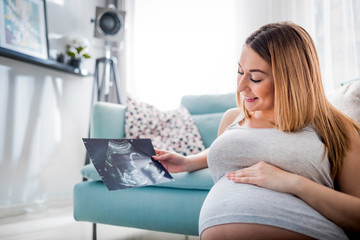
(228, 118)
(234, 115)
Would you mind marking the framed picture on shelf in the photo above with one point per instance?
(23, 28)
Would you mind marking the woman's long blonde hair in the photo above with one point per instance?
(299, 95)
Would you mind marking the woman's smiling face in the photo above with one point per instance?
(255, 82)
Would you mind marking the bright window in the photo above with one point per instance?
(181, 47)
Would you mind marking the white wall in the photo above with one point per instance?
(44, 116)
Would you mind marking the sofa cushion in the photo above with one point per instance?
(209, 103)
(107, 119)
(208, 125)
(89, 172)
(200, 179)
(153, 208)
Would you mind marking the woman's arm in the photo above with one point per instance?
(342, 208)
(175, 162)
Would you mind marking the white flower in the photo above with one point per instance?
(78, 48)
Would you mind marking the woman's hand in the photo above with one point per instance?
(173, 162)
(265, 175)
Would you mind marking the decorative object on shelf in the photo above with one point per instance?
(23, 29)
(75, 62)
(77, 49)
(60, 58)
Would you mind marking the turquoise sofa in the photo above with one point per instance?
(170, 207)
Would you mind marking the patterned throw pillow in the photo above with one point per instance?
(172, 130)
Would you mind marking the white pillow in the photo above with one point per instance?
(347, 99)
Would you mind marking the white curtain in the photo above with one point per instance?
(338, 40)
(182, 47)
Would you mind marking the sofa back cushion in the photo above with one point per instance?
(208, 125)
(209, 103)
(107, 120)
(207, 111)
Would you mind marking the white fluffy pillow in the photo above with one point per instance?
(347, 99)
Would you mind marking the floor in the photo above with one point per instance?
(58, 224)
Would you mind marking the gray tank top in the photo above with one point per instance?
(300, 152)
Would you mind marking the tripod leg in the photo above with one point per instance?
(94, 91)
(107, 79)
(103, 82)
(116, 80)
(95, 84)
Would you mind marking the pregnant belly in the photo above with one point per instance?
(234, 203)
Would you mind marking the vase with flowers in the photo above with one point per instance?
(77, 50)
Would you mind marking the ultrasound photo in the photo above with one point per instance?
(126, 163)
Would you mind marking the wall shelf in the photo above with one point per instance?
(52, 64)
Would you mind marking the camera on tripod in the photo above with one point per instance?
(109, 25)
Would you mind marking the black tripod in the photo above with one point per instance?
(101, 89)
(109, 78)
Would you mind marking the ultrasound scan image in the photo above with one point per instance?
(126, 163)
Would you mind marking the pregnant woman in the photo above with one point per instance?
(286, 163)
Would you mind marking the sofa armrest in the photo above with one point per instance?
(107, 120)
